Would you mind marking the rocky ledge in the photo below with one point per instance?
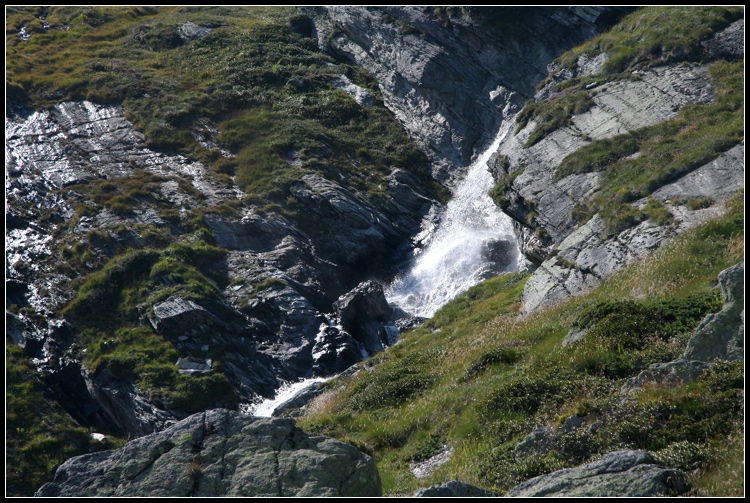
(574, 256)
(221, 453)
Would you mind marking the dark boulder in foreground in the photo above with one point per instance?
(221, 453)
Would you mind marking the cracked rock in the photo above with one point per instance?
(221, 453)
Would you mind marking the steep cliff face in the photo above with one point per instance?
(450, 79)
(592, 194)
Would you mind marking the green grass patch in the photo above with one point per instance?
(654, 36)
(553, 113)
(39, 434)
(166, 85)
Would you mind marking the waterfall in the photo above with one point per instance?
(455, 255)
(284, 395)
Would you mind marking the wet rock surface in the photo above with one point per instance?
(221, 453)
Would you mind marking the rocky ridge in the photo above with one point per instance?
(571, 257)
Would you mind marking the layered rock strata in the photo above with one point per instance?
(450, 79)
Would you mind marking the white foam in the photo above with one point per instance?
(452, 260)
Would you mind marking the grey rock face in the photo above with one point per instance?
(221, 453)
(618, 107)
(361, 95)
(335, 351)
(730, 43)
(722, 335)
(673, 374)
(621, 473)
(176, 315)
(586, 256)
(191, 31)
(271, 333)
(452, 81)
(455, 489)
(362, 313)
(719, 336)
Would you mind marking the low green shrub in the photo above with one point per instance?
(504, 354)
(527, 392)
(39, 434)
(197, 393)
(392, 384)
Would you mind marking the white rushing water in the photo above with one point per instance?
(452, 259)
(284, 395)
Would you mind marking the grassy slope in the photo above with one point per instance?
(480, 377)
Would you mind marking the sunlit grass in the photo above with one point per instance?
(471, 401)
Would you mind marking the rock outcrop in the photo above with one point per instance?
(584, 255)
(455, 489)
(221, 453)
(720, 336)
(450, 79)
(618, 474)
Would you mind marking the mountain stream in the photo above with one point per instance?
(453, 259)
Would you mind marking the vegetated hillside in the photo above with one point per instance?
(479, 378)
(185, 184)
(501, 397)
(622, 150)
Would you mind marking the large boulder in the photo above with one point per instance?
(334, 351)
(221, 453)
(362, 312)
(621, 473)
(722, 335)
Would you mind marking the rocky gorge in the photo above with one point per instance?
(156, 287)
